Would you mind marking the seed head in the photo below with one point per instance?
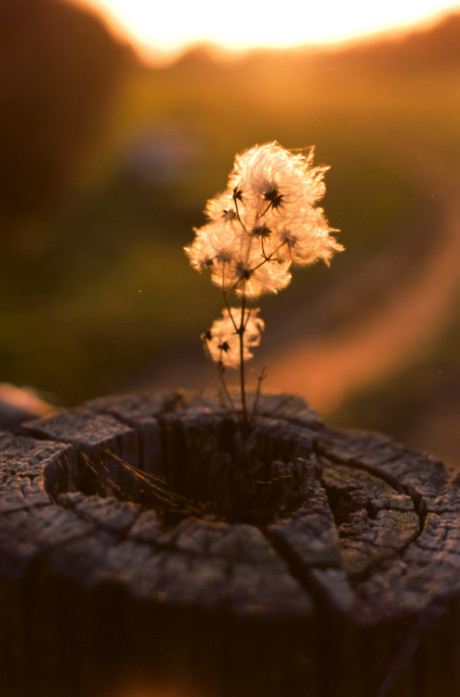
(222, 341)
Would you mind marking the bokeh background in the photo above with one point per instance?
(107, 161)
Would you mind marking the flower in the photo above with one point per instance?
(265, 221)
(306, 240)
(222, 341)
(235, 260)
(221, 206)
(269, 176)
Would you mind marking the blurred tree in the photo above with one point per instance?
(59, 67)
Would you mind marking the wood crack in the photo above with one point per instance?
(418, 501)
(356, 555)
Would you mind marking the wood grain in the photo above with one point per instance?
(144, 538)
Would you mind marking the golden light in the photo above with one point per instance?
(171, 25)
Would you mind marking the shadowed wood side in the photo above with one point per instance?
(143, 536)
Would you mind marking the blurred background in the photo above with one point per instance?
(111, 142)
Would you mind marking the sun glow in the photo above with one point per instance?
(170, 26)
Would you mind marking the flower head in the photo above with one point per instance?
(266, 220)
(222, 341)
(269, 173)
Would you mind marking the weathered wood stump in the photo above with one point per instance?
(143, 539)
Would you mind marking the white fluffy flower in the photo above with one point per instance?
(306, 238)
(236, 260)
(266, 220)
(271, 176)
(215, 245)
(223, 339)
(221, 207)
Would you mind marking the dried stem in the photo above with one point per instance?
(238, 214)
(220, 370)
(260, 379)
(227, 305)
(244, 413)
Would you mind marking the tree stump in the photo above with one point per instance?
(145, 541)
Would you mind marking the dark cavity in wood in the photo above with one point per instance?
(200, 464)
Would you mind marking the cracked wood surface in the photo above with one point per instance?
(142, 534)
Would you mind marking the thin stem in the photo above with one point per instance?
(261, 377)
(248, 316)
(269, 258)
(229, 309)
(242, 376)
(264, 261)
(220, 370)
(263, 249)
(261, 215)
(238, 215)
(225, 298)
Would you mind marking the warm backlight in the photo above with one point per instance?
(169, 26)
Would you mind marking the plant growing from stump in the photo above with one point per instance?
(266, 221)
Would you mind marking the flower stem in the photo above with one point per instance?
(238, 215)
(261, 377)
(242, 328)
(220, 370)
(229, 309)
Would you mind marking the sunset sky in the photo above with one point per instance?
(172, 25)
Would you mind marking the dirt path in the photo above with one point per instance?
(329, 368)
